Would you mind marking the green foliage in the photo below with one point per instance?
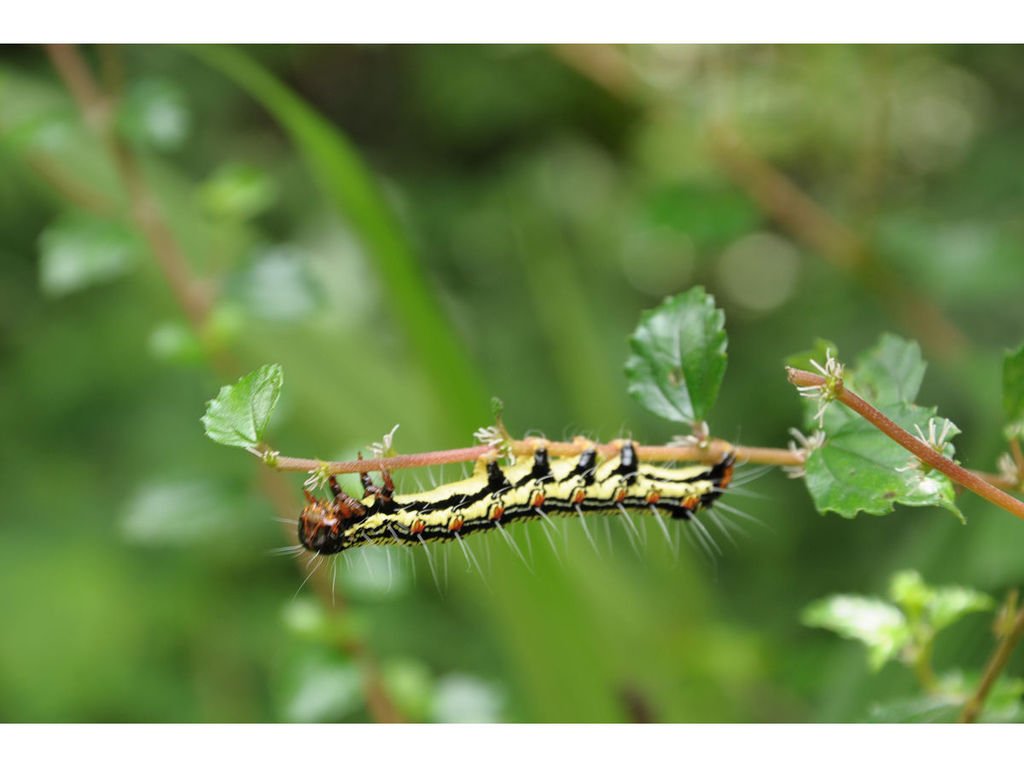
(238, 191)
(678, 359)
(445, 216)
(881, 626)
(79, 250)
(1013, 392)
(860, 469)
(905, 628)
(240, 412)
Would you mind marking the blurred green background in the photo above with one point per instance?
(411, 230)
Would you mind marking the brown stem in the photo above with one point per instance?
(715, 451)
(97, 110)
(195, 301)
(993, 669)
(923, 451)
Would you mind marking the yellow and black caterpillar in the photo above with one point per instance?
(493, 496)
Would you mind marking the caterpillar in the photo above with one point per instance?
(493, 496)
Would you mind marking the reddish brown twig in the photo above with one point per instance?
(963, 477)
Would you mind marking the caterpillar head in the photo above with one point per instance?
(322, 524)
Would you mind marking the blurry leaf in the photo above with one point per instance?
(859, 469)
(277, 286)
(240, 412)
(920, 709)
(1005, 702)
(948, 604)
(376, 573)
(878, 624)
(306, 616)
(710, 216)
(1013, 391)
(678, 358)
(323, 689)
(183, 514)
(890, 372)
(908, 590)
(238, 191)
(174, 342)
(78, 251)
(465, 699)
(155, 113)
(411, 688)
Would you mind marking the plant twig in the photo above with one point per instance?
(963, 477)
(191, 295)
(993, 669)
(714, 452)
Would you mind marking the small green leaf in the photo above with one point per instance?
(465, 699)
(240, 412)
(78, 251)
(908, 590)
(174, 342)
(238, 191)
(859, 469)
(948, 604)
(1013, 391)
(155, 113)
(411, 687)
(881, 626)
(678, 357)
(323, 689)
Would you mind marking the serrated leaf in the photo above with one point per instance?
(881, 626)
(860, 469)
(1013, 391)
(678, 358)
(888, 373)
(240, 412)
(78, 251)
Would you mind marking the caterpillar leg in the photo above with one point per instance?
(343, 504)
(386, 492)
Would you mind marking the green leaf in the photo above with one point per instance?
(1013, 391)
(238, 191)
(881, 626)
(678, 357)
(949, 604)
(78, 251)
(155, 113)
(859, 469)
(465, 699)
(323, 689)
(908, 590)
(240, 412)
(888, 373)
(183, 513)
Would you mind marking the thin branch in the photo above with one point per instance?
(714, 452)
(994, 667)
(97, 109)
(922, 450)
